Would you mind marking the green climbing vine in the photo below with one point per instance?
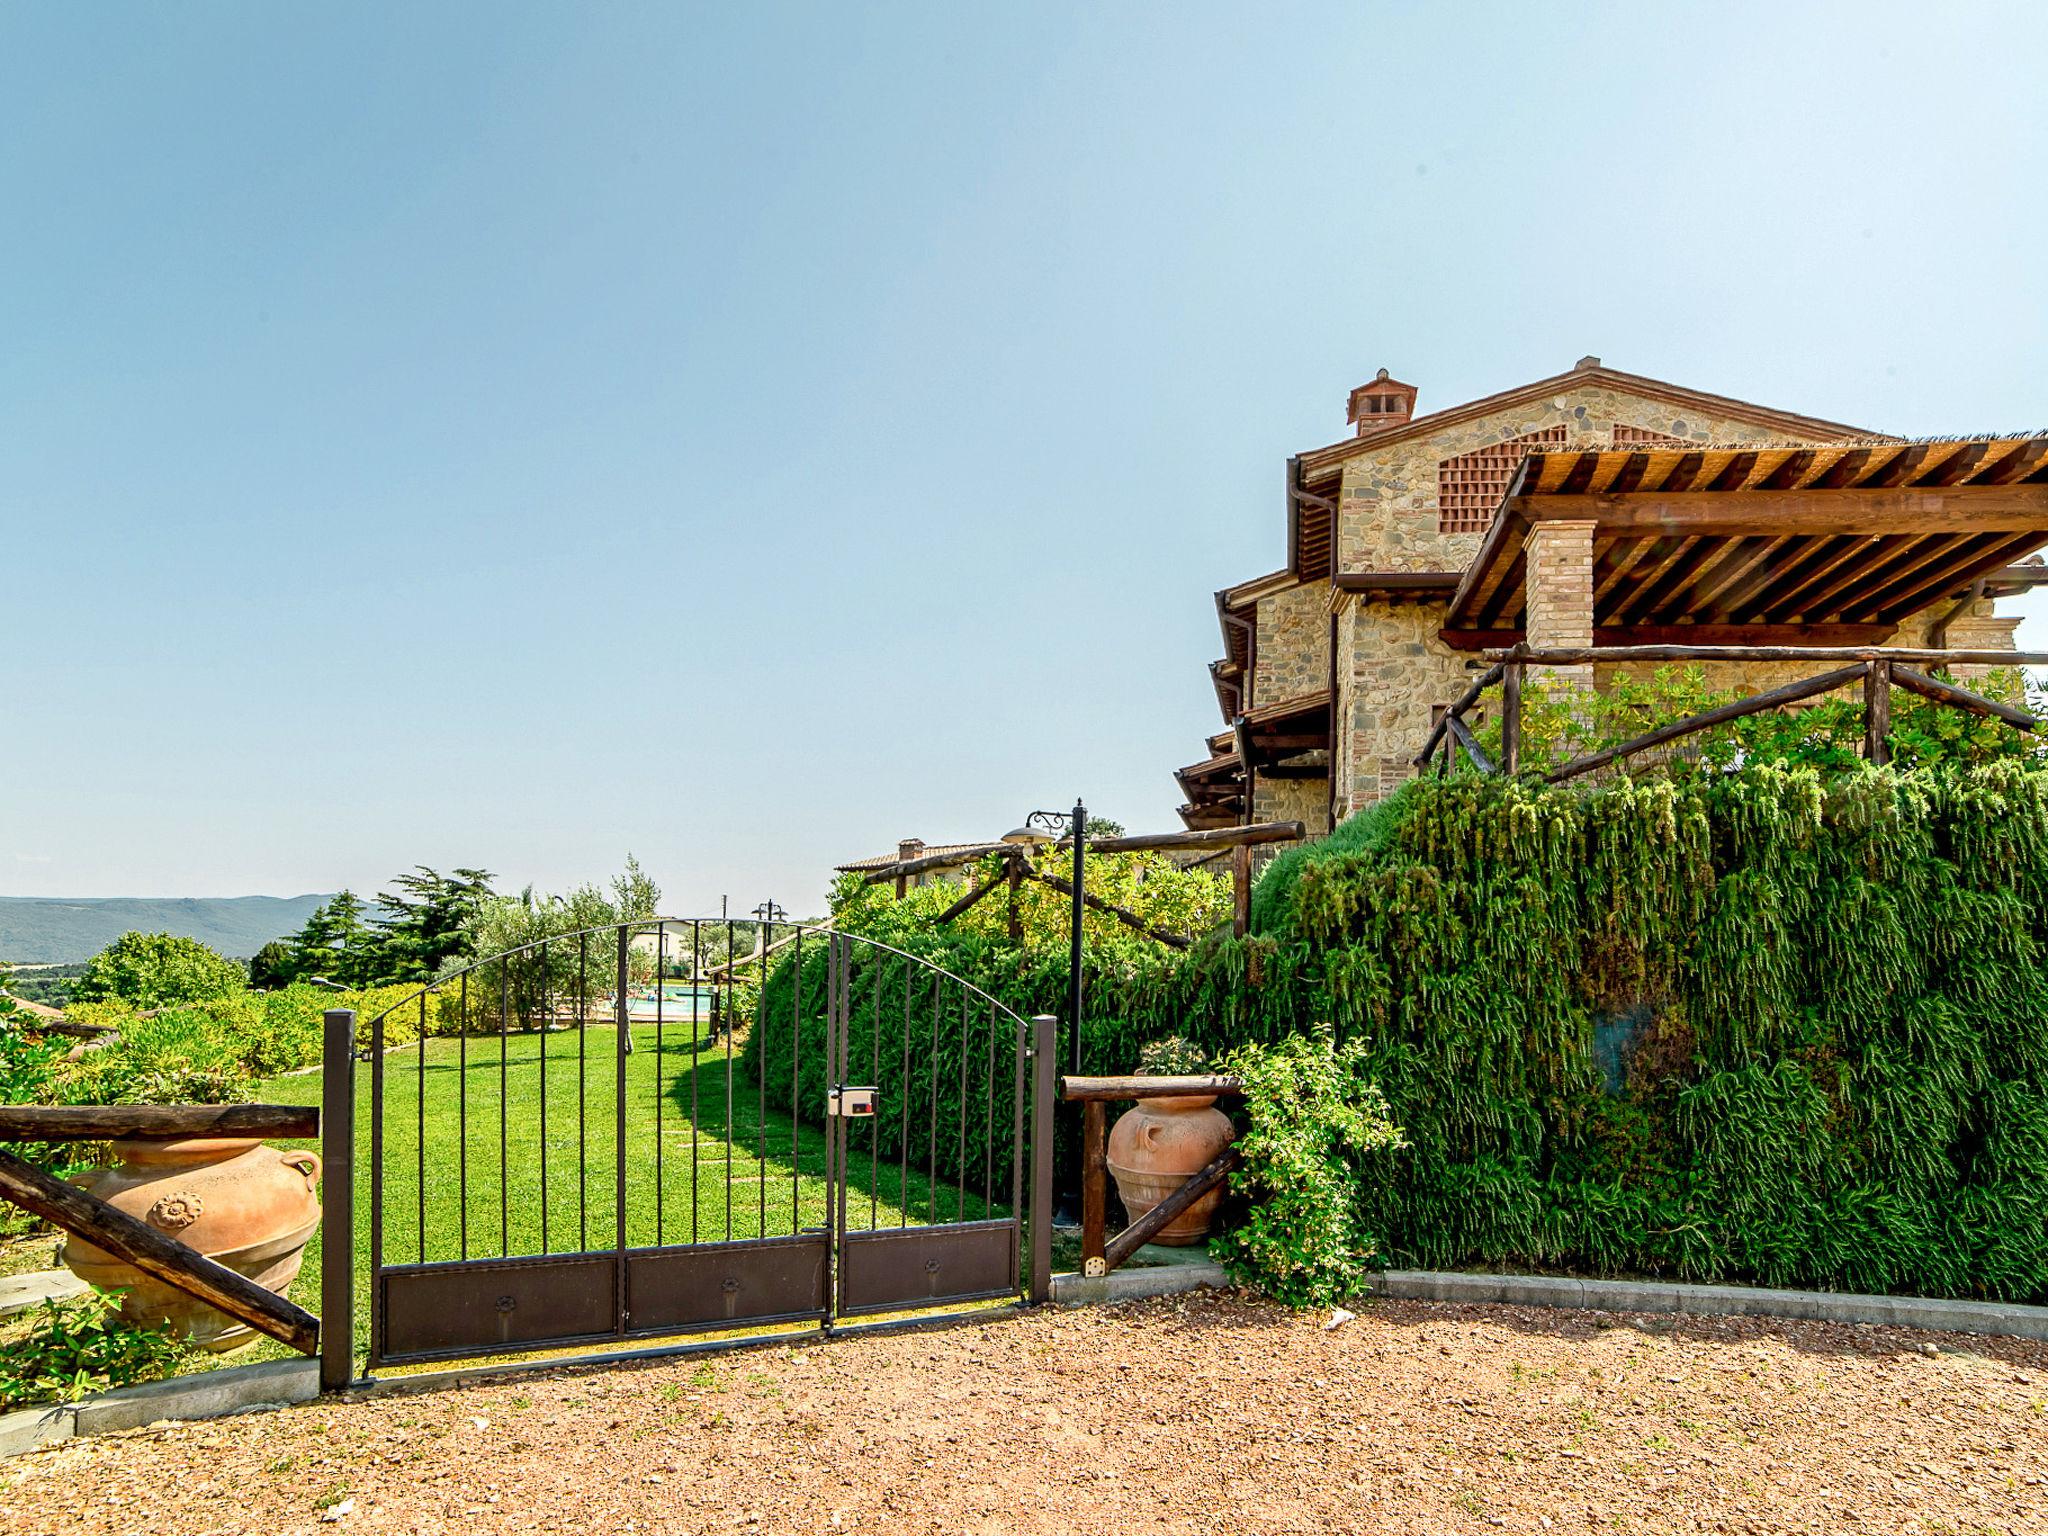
(1782, 1023)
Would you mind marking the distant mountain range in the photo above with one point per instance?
(57, 930)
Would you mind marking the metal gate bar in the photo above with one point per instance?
(935, 1248)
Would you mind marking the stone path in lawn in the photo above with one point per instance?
(1211, 1413)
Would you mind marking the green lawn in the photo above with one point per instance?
(692, 1118)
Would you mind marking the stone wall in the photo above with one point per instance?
(1293, 655)
(1978, 628)
(1398, 668)
(1387, 504)
(1304, 800)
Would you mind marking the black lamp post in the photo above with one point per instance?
(1042, 827)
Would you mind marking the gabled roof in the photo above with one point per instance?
(1321, 465)
(968, 852)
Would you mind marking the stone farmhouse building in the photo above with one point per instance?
(1593, 508)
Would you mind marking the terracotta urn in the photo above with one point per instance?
(241, 1203)
(1157, 1146)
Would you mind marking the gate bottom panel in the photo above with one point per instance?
(727, 1285)
(909, 1267)
(488, 1306)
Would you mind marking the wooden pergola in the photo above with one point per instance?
(1813, 544)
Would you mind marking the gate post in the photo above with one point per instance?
(338, 1204)
(1044, 1075)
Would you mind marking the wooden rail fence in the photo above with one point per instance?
(1879, 668)
(179, 1265)
(1237, 842)
(155, 1253)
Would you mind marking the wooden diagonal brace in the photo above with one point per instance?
(1000, 878)
(1142, 1231)
(1464, 737)
(1123, 915)
(162, 1257)
(1916, 681)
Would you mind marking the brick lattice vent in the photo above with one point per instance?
(1626, 436)
(1469, 487)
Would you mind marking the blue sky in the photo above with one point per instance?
(517, 435)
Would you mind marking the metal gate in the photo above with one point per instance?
(682, 1126)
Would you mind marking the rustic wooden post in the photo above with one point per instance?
(1044, 1076)
(1241, 890)
(338, 1197)
(1511, 719)
(1016, 878)
(1877, 711)
(1094, 1191)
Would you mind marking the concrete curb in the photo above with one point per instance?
(205, 1395)
(23, 1293)
(1926, 1312)
(1129, 1284)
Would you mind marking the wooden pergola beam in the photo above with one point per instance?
(1779, 603)
(1612, 637)
(1916, 681)
(1896, 606)
(1665, 577)
(976, 894)
(1878, 557)
(918, 866)
(1710, 595)
(1752, 596)
(1892, 568)
(1770, 512)
(1632, 552)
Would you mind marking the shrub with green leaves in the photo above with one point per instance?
(215, 1050)
(1175, 1056)
(152, 970)
(82, 1346)
(1314, 1122)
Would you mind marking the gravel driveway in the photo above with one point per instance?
(1208, 1413)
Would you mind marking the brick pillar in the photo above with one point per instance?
(1559, 584)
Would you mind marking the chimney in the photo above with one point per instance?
(1381, 404)
(907, 848)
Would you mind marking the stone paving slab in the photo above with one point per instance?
(19, 1293)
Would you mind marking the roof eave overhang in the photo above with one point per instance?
(1321, 465)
